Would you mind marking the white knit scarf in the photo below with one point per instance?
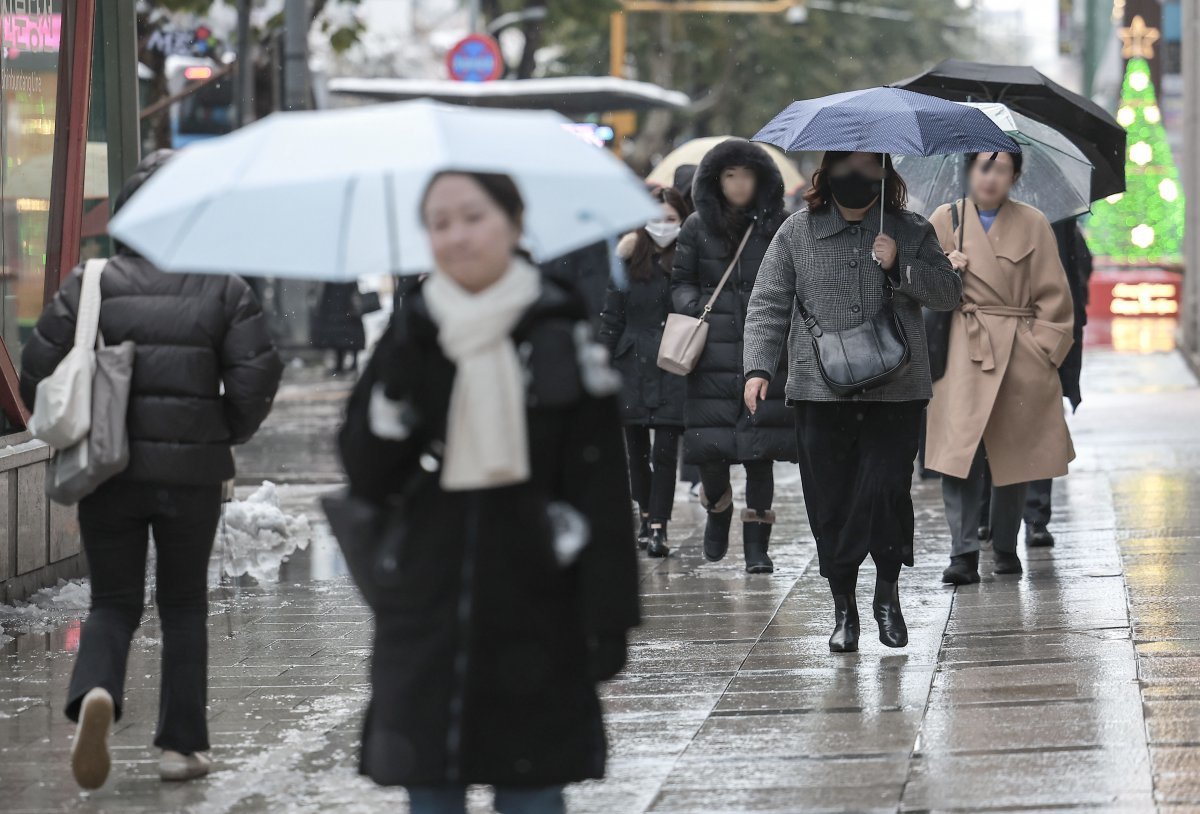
(486, 437)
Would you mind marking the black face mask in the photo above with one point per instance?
(854, 190)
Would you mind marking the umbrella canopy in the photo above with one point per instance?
(1026, 90)
(335, 195)
(692, 151)
(884, 120)
(1056, 177)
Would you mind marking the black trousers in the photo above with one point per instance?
(760, 483)
(652, 469)
(115, 522)
(856, 465)
(1038, 504)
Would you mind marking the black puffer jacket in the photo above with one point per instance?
(484, 666)
(194, 335)
(719, 427)
(632, 327)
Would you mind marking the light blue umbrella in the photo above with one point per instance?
(334, 195)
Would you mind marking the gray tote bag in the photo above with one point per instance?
(79, 470)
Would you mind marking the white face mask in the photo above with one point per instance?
(662, 232)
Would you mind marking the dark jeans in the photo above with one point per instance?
(652, 469)
(856, 465)
(115, 522)
(452, 800)
(760, 483)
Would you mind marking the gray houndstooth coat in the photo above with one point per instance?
(819, 257)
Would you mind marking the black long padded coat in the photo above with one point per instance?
(719, 428)
(631, 326)
(486, 653)
(205, 370)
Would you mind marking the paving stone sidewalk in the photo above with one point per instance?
(1076, 687)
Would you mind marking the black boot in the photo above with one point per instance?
(1038, 536)
(893, 631)
(716, 530)
(845, 624)
(643, 537)
(1005, 562)
(756, 538)
(963, 569)
(658, 540)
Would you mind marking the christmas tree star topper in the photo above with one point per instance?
(1139, 39)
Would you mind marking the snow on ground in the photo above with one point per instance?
(256, 536)
(47, 608)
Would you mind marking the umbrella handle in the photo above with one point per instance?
(882, 189)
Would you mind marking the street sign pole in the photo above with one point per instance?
(473, 16)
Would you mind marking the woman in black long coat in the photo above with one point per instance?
(737, 189)
(338, 326)
(475, 416)
(651, 399)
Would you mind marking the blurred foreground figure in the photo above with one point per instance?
(205, 374)
(505, 590)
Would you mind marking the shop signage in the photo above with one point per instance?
(29, 33)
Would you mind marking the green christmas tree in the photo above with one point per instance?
(1144, 225)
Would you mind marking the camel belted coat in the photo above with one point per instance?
(1007, 339)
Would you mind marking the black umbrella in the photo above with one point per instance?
(1026, 90)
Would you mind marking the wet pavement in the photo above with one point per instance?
(1075, 687)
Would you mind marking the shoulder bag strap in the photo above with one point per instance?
(87, 317)
(725, 277)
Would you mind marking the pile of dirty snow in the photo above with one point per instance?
(256, 536)
(49, 607)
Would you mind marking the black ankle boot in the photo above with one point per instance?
(1005, 562)
(963, 569)
(643, 537)
(845, 624)
(716, 530)
(1038, 536)
(658, 541)
(756, 538)
(893, 631)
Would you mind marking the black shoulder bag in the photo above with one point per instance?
(864, 357)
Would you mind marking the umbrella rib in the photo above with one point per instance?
(344, 228)
(389, 195)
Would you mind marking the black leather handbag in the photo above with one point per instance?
(864, 357)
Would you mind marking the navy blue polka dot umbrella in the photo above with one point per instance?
(885, 120)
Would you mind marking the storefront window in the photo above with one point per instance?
(94, 240)
(31, 31)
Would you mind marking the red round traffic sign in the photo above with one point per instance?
(475, 58)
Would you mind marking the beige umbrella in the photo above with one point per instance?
(691, 152)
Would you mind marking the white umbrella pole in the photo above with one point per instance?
(882, 189)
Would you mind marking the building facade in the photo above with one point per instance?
(69, 135)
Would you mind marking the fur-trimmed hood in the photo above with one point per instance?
(625, 245)
(706, 187)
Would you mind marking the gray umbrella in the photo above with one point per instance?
(1056, 176)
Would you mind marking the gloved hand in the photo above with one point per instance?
(606, 655)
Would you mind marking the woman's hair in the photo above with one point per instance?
(641, 260)
(497, 186)
(819, 194)
(1018, 160)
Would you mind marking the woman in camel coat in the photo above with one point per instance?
(999, 404)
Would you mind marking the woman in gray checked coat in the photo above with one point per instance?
(856, 452)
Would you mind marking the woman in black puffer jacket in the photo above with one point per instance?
(737, 188)
(204, 377)
(631, 326)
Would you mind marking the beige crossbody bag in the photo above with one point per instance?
(683, 336)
